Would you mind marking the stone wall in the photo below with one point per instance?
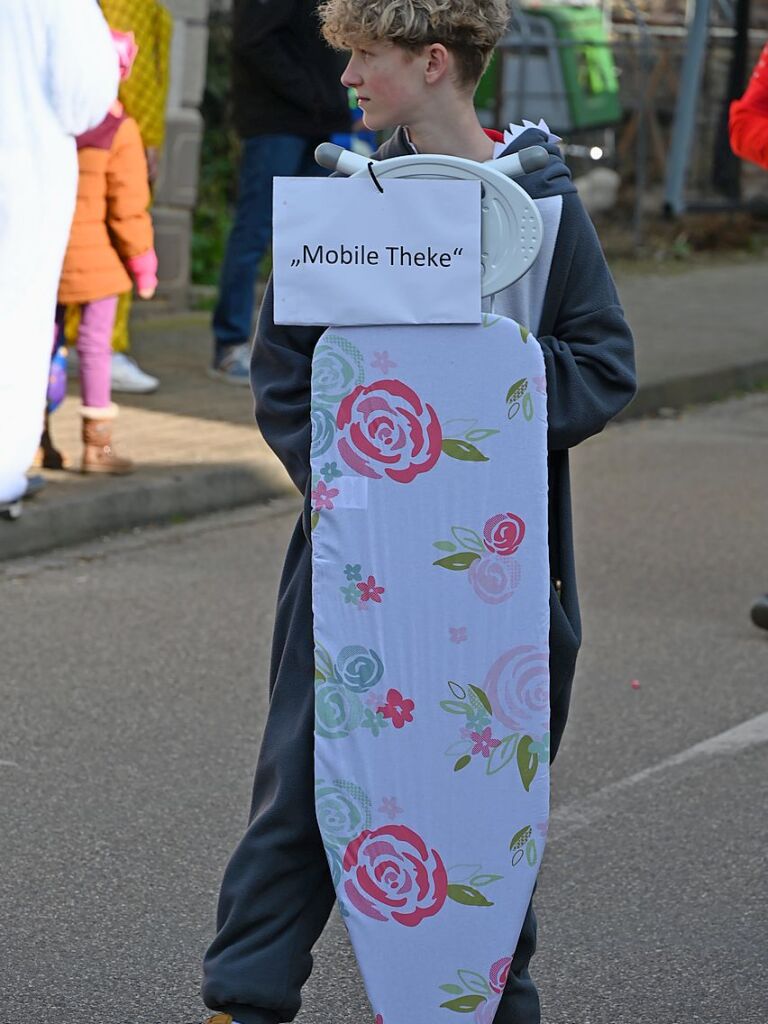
(176, 189)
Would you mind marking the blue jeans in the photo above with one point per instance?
(263, 157)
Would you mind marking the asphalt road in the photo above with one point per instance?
(133, 686)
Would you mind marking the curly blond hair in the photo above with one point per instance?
(469, 28)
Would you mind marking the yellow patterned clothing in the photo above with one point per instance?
(145, 91)
(120, 342)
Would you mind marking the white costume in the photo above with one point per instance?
(58, 77)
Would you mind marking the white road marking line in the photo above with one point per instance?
(570, 818)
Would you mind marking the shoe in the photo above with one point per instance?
(759, 612)
(98, 454)
(12, 509)
(127, 376)
(233, 365)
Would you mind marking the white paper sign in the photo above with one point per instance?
(345, 253)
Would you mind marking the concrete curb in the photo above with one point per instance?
(180, 494)
(696, 389)
(139, 502)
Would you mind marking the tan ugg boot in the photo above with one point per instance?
(98, 453)
(48, 456)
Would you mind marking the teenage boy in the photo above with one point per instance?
(414, 64)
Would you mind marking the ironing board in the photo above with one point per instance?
(430, 595)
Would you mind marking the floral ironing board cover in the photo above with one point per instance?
(430, 590)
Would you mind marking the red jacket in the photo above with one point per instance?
(748, 122)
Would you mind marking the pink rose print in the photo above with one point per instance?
(397, 708)
(389, 807)
(322, 496)
(369, 590)
(494, 578)
(458, 634)
(497, 976)
(386, 428)
(393, 876)
(379, 1019)
(517, 685)
(503, 534)
(484, 742)
(541, 384)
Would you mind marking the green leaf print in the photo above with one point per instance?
(521, 837)
(468, 896)
(524, 332)
(464, 1004)
(456, 707)
(457, 690)
(488, 320)
(463, 450)
(474, 982)
(527, 762)
(469, 539)
(481, 696)
(479, 434)
(462, 762)
(314, 520)
(459, 747)
(517, 390)
(444, 545)
(481, 880)
(452, 990)
(457, 562)
(323, 664)
(531, 854)
(502, 755)
(463, 872)
(528, 407)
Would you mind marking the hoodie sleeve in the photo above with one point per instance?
(587, 344)
(281, 372)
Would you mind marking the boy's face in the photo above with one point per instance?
(389, 82)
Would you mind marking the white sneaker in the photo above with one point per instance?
(128, 376)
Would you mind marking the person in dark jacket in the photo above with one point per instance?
(417, 69)
(287, 98)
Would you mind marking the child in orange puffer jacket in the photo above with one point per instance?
(111, 242)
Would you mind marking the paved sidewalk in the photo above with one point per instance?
(700, 336)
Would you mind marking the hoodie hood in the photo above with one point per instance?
(552, 180)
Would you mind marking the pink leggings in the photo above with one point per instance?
(94, 347)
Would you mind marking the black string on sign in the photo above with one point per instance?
(375, 180)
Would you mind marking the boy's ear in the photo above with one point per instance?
(437, 62)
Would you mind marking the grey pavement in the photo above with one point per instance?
(133, 691)
(700, 335)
